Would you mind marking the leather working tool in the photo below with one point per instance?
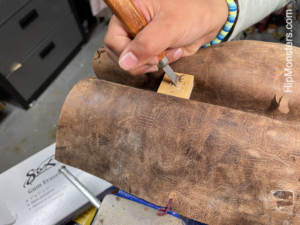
(133, 21)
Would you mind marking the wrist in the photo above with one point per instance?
(231, 8)
(221, 12)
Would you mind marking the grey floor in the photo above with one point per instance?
(24, 133)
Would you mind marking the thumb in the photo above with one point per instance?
(156, 37)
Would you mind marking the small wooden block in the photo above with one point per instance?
(184, 88)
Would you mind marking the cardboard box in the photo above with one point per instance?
(35, 193)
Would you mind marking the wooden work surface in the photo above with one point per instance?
(221, 166)
(241, 75)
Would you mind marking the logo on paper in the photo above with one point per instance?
(43, 167)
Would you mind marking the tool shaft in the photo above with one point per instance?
(168, 70)
(89, 195)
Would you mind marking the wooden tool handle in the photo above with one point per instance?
(130, 17)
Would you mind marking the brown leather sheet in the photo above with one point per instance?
(242, 75)
(221, 166)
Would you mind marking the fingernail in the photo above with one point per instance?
(128, 61)
(151, 69)
(154, 61)
(178, 53)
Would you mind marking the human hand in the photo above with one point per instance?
(180, 27)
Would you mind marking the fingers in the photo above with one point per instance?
(116, 38)
(193, 48)
(139, 56)
(143, 70)
(174, 54)
(179, 34)
(112, 55)
(148, 68)
(157, 36)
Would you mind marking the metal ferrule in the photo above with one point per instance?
(164, 62)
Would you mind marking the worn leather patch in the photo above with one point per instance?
(241, 75)
(221, 166)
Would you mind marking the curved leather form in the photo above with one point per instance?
(220, 166)
(244, 75)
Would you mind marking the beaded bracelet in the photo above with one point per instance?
(228, 25)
